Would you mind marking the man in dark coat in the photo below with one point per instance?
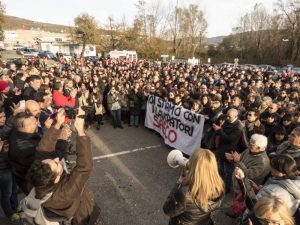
(230, 134)
(22, 144)
(34, 86)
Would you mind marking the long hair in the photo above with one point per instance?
(267, 206)
(205, 182)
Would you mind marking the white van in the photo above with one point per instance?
(131, 55)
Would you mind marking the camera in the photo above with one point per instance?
(71, 112)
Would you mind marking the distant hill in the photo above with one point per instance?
(13, 23)
(214, 40)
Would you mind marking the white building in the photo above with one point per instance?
(65, 46)
(28, 37)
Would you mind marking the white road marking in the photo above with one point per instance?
(123, 152)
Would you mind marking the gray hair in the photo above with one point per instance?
(260, 140)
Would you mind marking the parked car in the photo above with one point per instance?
(17, 61)
(47, 54)
(225, 65)
(296, 70)
(17, 47)
(28, 52)
(266, 67)
(94, 59)
(67, 56)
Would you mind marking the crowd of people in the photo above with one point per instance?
(251, 118)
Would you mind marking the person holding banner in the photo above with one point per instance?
(198, 191)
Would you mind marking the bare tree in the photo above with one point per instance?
(174, 27)
(86, 31)
(2, 20)
(290, 11)
(113, 30)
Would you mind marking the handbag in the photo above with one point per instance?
(99, 110)
(238, 205)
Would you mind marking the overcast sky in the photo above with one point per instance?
(221, 15)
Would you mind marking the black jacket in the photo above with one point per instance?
(4, 157)
(6, 130)
(135, 102)
(22, 152)
(28, 93)
(184, 211)
(230, 135)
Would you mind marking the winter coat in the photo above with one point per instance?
(9, 99)
(285, 148)
(22, 151)
(208, 135)
(6, 130)
(60, 100)
(83, 99)
(252, 128)
(183, 210)
(28, 93)
(71, 197)
(97, 102)
(135, 102)
(4, 164)
(286, 189)
(230, 135)
(112, 99)
(124, 102)
(256, 167)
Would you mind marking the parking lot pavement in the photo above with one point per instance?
(8, 54)
(131, 178)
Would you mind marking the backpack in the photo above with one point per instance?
(32, 212)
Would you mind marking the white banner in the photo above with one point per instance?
(180, 128)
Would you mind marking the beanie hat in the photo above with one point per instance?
(3, 85)
(260, 141)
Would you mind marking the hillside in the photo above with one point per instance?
(13, 23)
(214, 40)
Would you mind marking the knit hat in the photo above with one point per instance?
(260, 141)
(3, 85)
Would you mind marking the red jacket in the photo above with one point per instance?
(60, 100)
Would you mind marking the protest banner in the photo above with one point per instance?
(180, 128)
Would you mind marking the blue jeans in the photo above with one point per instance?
(116, 117)
(8, 188)
(134, 120)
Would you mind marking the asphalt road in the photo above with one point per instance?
(131, 178)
